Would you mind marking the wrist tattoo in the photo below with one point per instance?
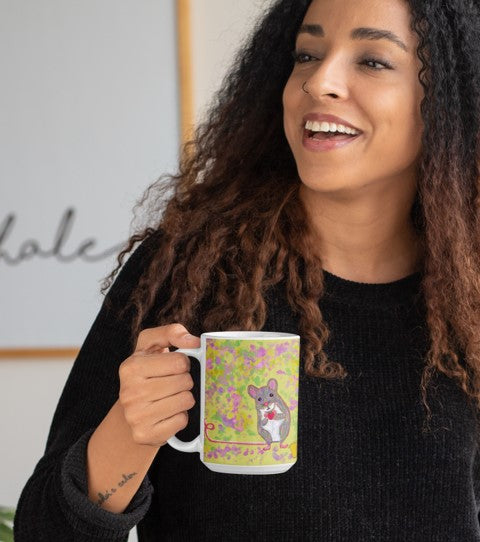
(102, 497)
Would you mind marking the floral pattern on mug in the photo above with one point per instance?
(251, 401)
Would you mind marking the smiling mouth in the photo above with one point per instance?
(323, 136)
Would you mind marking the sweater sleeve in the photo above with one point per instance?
(54, 503)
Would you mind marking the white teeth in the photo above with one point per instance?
(315, 126)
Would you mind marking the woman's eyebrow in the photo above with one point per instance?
(357, 34)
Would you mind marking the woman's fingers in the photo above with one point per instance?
(155, 384)
(158, 433)
(154, 365)
(160, 338)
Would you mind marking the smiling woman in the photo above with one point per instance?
(345, 188)
(335, 196)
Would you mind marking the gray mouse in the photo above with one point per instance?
(273, 415)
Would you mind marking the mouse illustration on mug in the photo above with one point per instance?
(273, 415)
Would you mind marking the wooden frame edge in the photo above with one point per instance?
(39, 353)
(185, 76)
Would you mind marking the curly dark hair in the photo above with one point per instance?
(232, 215)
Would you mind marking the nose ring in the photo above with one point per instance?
(303, 87)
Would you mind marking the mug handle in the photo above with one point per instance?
(195, 444)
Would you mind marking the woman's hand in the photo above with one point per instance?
(155, 384)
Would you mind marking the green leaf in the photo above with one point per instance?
(6, 513)
(6, 534)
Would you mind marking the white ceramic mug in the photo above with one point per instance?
(249, 402)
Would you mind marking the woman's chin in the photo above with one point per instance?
(326, 183)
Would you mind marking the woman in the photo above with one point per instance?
(365, 242)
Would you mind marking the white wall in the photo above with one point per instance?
(29, 392)
(89, 118)
(218, 28)
(77, 44)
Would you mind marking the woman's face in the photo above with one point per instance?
(371, 84)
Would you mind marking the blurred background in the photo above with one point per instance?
(96, 98)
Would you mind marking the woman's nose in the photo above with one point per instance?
(328, 79)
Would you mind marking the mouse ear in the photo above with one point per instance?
(272, 384)
(252, 391)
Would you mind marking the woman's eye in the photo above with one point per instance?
(384, 63)
(300, 57)
(372, 63)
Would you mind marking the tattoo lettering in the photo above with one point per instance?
(102, 497)
(126, 478)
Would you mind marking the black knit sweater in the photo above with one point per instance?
(365, 470)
